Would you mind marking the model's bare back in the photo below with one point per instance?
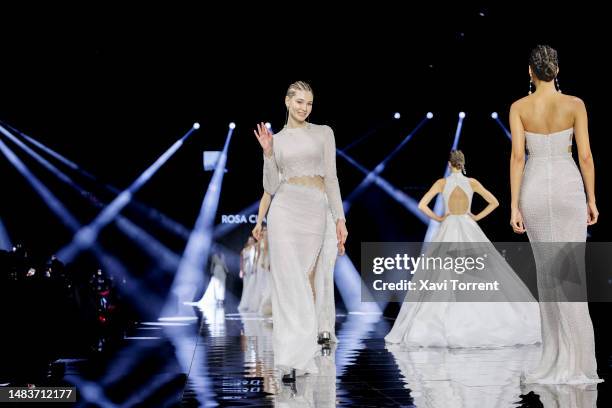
(458, 202)
(547, 113)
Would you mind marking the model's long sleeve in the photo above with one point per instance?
(271, 177)
(332, 188)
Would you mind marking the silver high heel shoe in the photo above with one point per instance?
(324, 338)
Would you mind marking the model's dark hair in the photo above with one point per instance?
(544, 62)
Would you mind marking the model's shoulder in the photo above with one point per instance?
(574, 101)
(321, 128)
(520, 103)
(279, 133)
(473, 182)
(440, 183)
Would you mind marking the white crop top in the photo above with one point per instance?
(304, 151)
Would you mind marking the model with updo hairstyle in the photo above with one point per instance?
(554, 202)
(433, 319)
(306, 232)
(544, 63)
(457, 160)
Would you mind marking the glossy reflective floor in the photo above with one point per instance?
(230, 363)
(361, 370)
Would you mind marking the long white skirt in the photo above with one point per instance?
(428, 322)
(298, 223)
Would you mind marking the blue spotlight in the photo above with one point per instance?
(5, 241)
(397, 115)
(196, 125)
(89, 233)
(429, 115)
(374, 177)
(494, 115)
(133, 289)
(462, 115)
(232, 125)
(56, 206)
(189, 275)
(502, 126)
(163, 220)
(268, 125)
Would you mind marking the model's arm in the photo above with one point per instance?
(585, 159)
(264, 204)
(517, 165)
(332, 189)
(271, 178)
(486, 194)
(437, 188)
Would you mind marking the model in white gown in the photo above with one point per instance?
(297, 227)
(548, 192)
(434, 323)
(300, 174)
(215, 292)
(247, 262)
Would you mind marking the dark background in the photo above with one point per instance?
(112, 89)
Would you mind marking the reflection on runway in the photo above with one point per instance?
(361, 370)
(462, 378)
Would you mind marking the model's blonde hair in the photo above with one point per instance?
(298, 86)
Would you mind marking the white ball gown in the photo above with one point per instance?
(433, 321)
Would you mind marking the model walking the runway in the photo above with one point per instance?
(548, 201)
(300, 174)
(436, 320)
